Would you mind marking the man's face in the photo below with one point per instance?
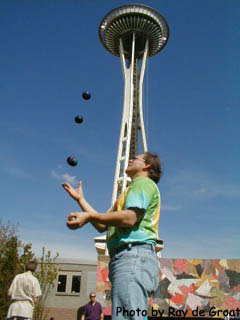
(135, 165)
(92, 297)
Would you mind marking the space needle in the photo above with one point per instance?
(134, 33)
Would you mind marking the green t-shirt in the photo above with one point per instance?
(142, 193)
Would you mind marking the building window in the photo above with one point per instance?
(76, 283)
(69, 283)
(62, 281)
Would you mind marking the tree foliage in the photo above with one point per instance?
(14, 255)
(46, 274)
(8, 263)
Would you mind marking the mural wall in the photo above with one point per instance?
(187, 288)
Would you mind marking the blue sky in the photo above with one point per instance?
(51, 53)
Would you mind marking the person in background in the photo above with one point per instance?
(24, 293)
(93, 309)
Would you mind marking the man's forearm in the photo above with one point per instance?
(35, 300)
(83, 317)
(124, 218)
(86, 207)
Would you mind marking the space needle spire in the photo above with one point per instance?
(132, 32)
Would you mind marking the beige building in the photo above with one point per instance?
(76, 279)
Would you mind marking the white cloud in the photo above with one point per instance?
(207, 246)
(194, 184)
(225, 190)
(17, 172)
(65, 177)
(200, 191)
(170, 208)
(66, 250)
(69, 245)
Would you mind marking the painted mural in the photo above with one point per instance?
(187, 288)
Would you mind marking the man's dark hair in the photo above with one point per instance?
(31, 265)
(155, 169)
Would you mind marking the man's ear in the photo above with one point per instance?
(146, 167)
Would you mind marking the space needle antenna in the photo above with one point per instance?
(134, 33)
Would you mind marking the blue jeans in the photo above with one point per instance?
(134, 274)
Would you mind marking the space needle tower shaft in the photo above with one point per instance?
(134, 33)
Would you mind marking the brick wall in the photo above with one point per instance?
(63, 314)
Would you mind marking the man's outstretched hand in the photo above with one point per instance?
(76, 194)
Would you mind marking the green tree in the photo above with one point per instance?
(46, 274)
(8, 262)
(8, 266)
(13, 255)
(25, 256)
